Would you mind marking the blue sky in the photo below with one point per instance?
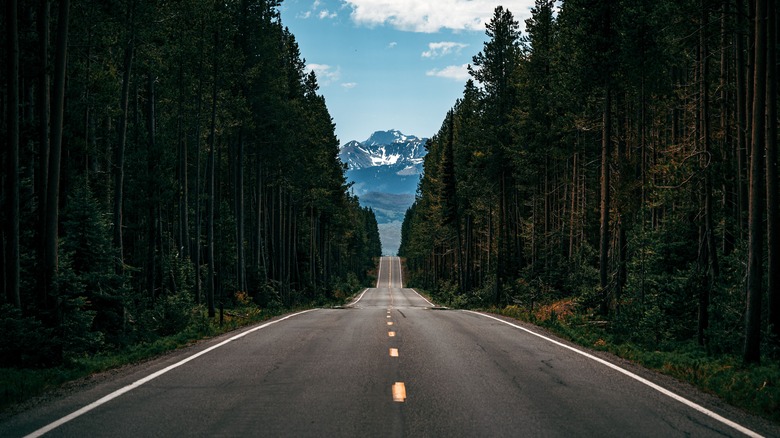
(391, 64)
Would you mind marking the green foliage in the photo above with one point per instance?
(753, 388)
(26, 342)
(268, 296)
(19, 384)
(727, 309)
(509, 209)
(178, 273)
(167, 316)
(77, 336)
(225, 80)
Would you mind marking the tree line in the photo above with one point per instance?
(620, 153)
(159, 156)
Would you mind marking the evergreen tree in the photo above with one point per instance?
(603, 159)
(146, 135)
(496, 68)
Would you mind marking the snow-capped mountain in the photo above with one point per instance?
(384, 171)
(384, 148)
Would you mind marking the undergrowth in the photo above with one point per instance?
(18, 385)
(755, 389)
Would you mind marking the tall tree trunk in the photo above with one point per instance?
(773, 215)
(12, 257)
(119, 153)
(184, 226)
(750, 71)
(292, 239)
(709, 248)
(622, 165)
(261, 225)
(210, 194)
(468, 263)
(241, 264)
(501, 253)
(196, 247)
(606, 140)
(152, 198)
(752, 348)
(573, 206)
(312, 245)
(51, 260)
(89, 137)
(742, 104)
(43, 111)
(729, 183)
(210, 283)
(547, 216)
(450, 194)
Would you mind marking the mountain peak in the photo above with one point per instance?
(384, 171)
(384, 148)
(389, 137)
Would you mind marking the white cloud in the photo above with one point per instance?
(327, 14)
(326, 74)
(432, 16)
(436, 50)
(313, 11)
(349, 85)
(455, 72)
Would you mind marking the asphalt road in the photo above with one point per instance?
(389, 364)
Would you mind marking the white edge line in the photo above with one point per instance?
(379, 272)
(359, 298)
(424, 299)
(402, 283)
(657, 387)
(400, 272)
(150, 377)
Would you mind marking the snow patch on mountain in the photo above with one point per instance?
(384, 148)
(384, 171)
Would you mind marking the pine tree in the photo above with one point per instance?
(496, 69)
(12, 258)
(752, 346)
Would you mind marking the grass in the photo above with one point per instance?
(755, 389)
(19, 385)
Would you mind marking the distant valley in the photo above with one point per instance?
(384, 171)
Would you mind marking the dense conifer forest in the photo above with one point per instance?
(163, 161)
(618, 158)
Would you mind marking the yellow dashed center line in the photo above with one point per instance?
(399, 392)
(398, 388)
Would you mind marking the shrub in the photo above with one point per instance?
(25, 341)
(168, 315)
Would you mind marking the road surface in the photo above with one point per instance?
(389, 364)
